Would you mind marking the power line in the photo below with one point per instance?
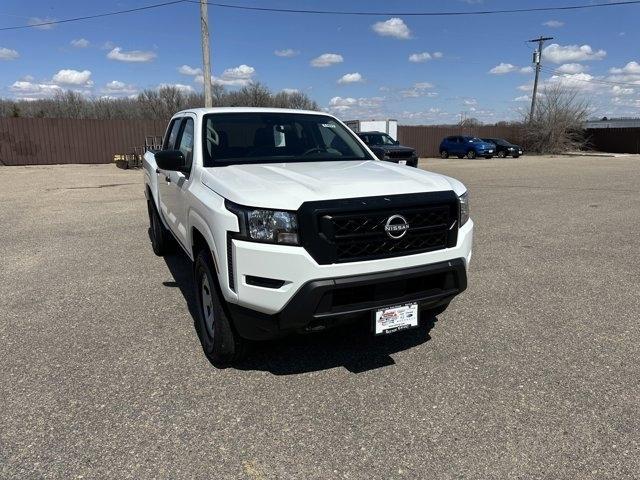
(326, 12)
(89, 17)
(421, 14)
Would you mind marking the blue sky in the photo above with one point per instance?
(415, 69)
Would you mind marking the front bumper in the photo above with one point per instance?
(324, 303)
(409, 161)
(293, 267)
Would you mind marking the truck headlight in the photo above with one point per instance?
(262, 225)
(464, 208)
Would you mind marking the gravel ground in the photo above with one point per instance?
(532, 373)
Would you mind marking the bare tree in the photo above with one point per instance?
(157, 104)
(558, 122)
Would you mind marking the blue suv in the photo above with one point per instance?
(464, 146)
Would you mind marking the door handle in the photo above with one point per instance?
(167, 178)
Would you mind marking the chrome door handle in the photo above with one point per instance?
(167, 178)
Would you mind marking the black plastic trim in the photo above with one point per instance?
(309, 306)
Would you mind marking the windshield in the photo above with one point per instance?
(378, 139)
(476, 140)
(256, 137)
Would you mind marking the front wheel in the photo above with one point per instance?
(444, 154)
(471, 154)
(501, 154)
(220, 343)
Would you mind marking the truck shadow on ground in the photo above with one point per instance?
(351, 346)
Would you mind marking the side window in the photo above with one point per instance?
(186, 140)
(170, 140)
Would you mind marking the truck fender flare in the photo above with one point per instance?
(198, 223)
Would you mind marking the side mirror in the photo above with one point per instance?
(171, 160)
(396, 142)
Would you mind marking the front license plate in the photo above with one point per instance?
(394, 319)
(402, 162)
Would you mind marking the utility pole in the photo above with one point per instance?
(206, 55)
(537, 58)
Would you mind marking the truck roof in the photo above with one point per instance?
(204, 111)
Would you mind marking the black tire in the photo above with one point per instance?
(444, 154)
(220, 342)
(471, 154)
(516, 156)
(501, 154)
(162, 241)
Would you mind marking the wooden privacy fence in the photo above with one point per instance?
(614, 140)
(44, 141)
(426, 138)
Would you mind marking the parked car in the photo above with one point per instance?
(505, 148)
(466, 146)
(388, 149)
(293, 225)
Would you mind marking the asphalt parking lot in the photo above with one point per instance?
(533, 372)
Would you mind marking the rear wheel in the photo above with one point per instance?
(471, 154)
(161, 240)
(444, 154)
(220, 342)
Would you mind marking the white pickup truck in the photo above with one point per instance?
(293, 225)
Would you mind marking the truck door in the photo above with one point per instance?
(164, 176)
(177, 188)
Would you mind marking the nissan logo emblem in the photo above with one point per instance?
(396, 226)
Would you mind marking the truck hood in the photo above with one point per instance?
(287, 185)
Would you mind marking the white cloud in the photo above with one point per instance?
(470, 101)
(25, 89)
(553, 24)
(437, 54)
(290, 90)
(326, 60)
(523, 98)
(577, 81)
(503, 68)
(179, 86)
(286, 52)
(355, 105)
(420, 57)
(631, 68)
(8, 54)
(116, 87)
(351, 78)
(187, 70)
(526, 70)
(418, 90)
(618, 90)
(571, 68)
(37, 22)
(80, 43)
(571, 53)
(234, 77)
(394, 27)
(132, 56)
(73, 77)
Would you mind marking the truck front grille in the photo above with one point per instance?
(354, 229)
(400, 154)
